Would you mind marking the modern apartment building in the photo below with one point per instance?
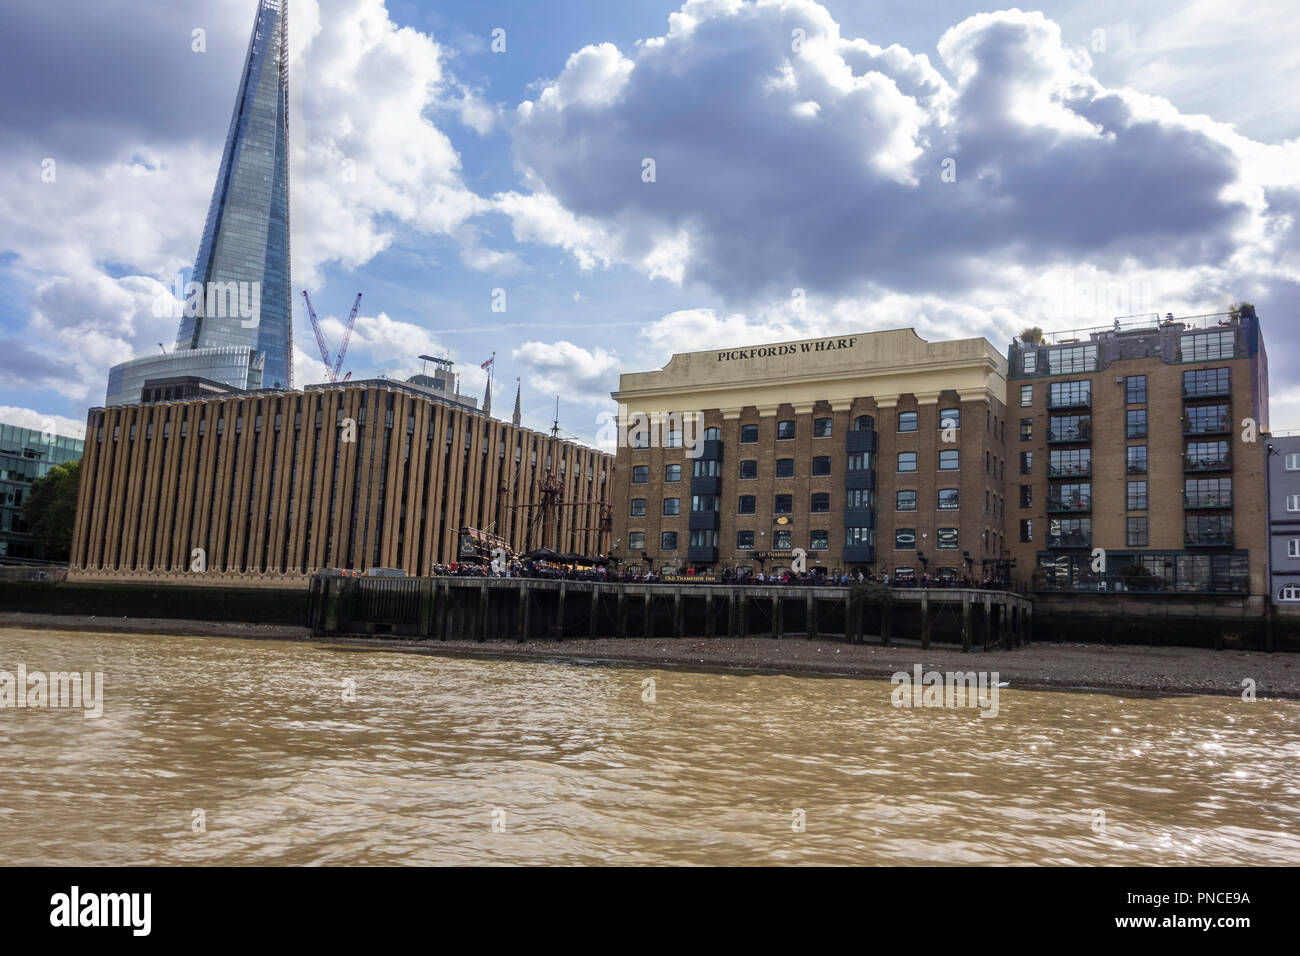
(1137, 461)
(1283, 452)
(876, 450)
(266, 488)
(25, 455)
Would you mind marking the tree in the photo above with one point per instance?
(51, 509)
(1032, 335)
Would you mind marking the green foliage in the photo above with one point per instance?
(1031, 335)
(51, 509)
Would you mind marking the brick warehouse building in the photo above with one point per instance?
(1128, 439)
(832, 445)
(267, 485)
(1132, 439)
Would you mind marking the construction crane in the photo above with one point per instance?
(332, 370)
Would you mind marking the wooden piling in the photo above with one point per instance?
(925, 621)
(810, 615)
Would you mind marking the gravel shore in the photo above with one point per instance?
(1167, 670)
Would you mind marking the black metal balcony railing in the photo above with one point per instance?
(860, 553)
(1070, 539)
(1207, 499)
(698, 555)
(1202, 463)
(1075, 503)
(704, 521)
(1072, 470)
(1208, 538)
(1136, 468)
(1207, 389)
(862, 440)
(1212, 425)
(706, 485)
(1071, 400)
(1068, 433)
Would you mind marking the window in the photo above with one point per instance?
(863, 423)
(640, 439)
(672, 472)
(1069, 394)
(668, 541)
(1137, 459)
(701, 538)
(1200, 382)
(1293, 462)
(1069, 462)
(1026, 496)
(821, 428)
(1207, 493)
(859, 537)
(638, 507)
(674, 438)
(1137, 496)
(636, 541)
(1029, 363)
(1026, 396)
(1206, 455)
(907, 461)
(783, 505)
(949, 460)
(1026, 462)
(1206, 346)
(1206, 420)
(1137, 423)
(782, 539)
(712, 434)
(907, 421)
(785, 430)
(748, 434)
(859, 498)
(1069, 428)
(905, 500)
(1136, 534)
(672, 506)
(946, 539)
(1026, 529)
(746, 505)
(819, 540)
(1293, 548)
(949, 499)
(821, 465)
(1293, 502)
(1072, 358)
(1135, 390)
(905, 539)
(859, 461)
(640, 474)
(1290, 593)
(785, 467)
(1026, 429)
(706, 468)
(744, 541)
(949, 418)
(821, 502)
(705, 503)
(749, 469)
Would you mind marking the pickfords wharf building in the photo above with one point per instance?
(275, 485)
(1110, 462)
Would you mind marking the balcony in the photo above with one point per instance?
(1071, 470)
(1209, 425)
(860, 478)
(864, 439)
(1213, 389)
(1070, 539)
(710, 450)
(704, 520)
(859, 517)
(1208, 538)
(1205, 499)
(1071, 504)
(859, 553)
(1070, 400)
(1070, 433)
(1202, 463)
(706, 485)
(701, 555)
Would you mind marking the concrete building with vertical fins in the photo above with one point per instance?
(268, 485)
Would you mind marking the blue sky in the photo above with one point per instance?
(1107, 162)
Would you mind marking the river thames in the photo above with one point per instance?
(223, 751)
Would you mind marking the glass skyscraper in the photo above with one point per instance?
(246, 236)
(237, 327)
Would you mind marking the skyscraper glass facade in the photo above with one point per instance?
(25, 455)
(246, 235)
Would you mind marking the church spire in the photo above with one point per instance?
(514, 419)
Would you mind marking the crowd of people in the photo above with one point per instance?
(636, 574)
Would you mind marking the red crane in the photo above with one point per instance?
(332, 370)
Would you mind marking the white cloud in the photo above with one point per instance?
(39, 421)
(575, 373)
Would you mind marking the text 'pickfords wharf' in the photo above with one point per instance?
(773, 351)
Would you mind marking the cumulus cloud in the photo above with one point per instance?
(562, 368)
(39, 421)
(819, 162)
